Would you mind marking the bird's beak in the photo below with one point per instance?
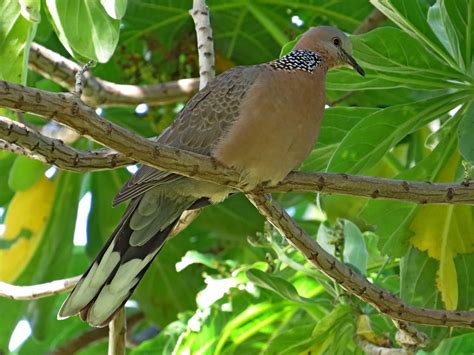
(352, 62)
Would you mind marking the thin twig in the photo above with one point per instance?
(409, 337)
(79, 86)
(98, 92)
(205, 43)
(34, 292)
(350, 280)
(373, 20)
(372, 349)
(117, 330)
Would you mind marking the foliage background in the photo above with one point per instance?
(229, 283)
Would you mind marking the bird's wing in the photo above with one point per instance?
(198, 127)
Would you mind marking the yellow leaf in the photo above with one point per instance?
(25, 220)
(444, 231)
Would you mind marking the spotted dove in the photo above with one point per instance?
(261, 120)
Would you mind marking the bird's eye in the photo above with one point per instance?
(336, 41)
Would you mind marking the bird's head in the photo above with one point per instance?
(332, 44)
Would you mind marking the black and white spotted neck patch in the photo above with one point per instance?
(299, 59)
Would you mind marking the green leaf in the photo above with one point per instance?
(442, 26)
(288, 47)
(115, 8)
(411, 17)
(194, 257)
(25, 172)
(355, 250)
(278, 285)
(338, 121)
(55, 251)
(466, 135)
(418, 287)
(394, 231)
(373, 136)
(461, 344)
(16, 34)
(84, 28)
(396, 56)
(461, 14)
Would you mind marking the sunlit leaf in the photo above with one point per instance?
(355, 251)
(16, 34)
(115, 8)
(26, 219)
(276, 284)
(31, 10)
(84, 28)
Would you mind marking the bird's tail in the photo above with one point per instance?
(115, 273)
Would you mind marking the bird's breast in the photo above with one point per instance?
(277, 127)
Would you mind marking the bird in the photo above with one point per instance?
(261, 120)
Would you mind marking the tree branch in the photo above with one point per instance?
(89, 337)
(372, 21)
(99, 92)
(353, 282)
(23, 140)
(34, 292)
(69, 110)
(205, 44)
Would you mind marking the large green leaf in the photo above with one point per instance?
(418, 287)
(461, 344)
(461, 15)
(373, 136)
(443, 27)
(16, 34)
(56, 250)
(392, 219)
(278, 285)
(412, 17)
(396, 56)
(84, 28)
(338, 121)
(355, 251)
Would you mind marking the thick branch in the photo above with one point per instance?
(67, 109)
(23, 140)
(99, 92)
(350, 280)
(22, 293)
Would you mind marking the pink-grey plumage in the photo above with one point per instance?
(262, 120)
